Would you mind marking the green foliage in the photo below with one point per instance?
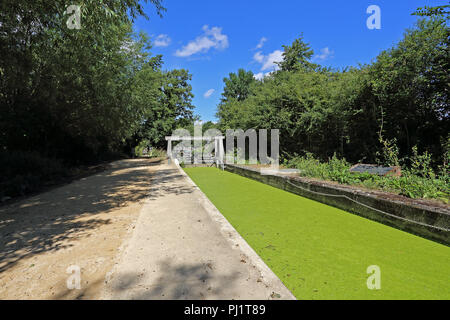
(296, 56)
(237, 86)
(167, 100)
(421, 164)
(403, 96)
(157, 153)
(139, 149)
(78, 94)
(444, 169)
(310, 167)
(390, 152)
(414, 186)
(82, 95)
(410, 83)
(439, 11)
(413, 183)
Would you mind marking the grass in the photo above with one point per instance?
(321, 252)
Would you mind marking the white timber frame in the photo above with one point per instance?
(219, 152)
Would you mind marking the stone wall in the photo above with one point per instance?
(421, 221)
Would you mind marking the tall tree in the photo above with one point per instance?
(437, 11)
(65, 92)
(410, 81)
(237, 85)
(404, 93)
(169, 108)
(297, 56)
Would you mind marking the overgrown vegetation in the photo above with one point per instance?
(417, 182)
(394, 111)
(81, 96)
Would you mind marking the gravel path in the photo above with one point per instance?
(183, 248)
(82, 224)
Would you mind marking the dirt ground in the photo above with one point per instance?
(82, 224)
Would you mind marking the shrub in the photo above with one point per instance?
(421, 164)
(157, 153)
(417, 182)
(139, 149)
(390, 152)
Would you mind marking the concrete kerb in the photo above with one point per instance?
(235, 238)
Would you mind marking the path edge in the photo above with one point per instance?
(231, 234)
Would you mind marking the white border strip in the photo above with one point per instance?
(231, 234)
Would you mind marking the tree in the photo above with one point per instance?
(356, 112)
(237, 85)
(410, 81)
(296, 56)
(437, 11)
(74, 94)
(169, 104)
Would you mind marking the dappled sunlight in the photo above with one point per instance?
(57, 219)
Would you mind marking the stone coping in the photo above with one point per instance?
(431, 223)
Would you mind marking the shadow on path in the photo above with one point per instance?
(168, 181)
(52, 220)
(177, 281)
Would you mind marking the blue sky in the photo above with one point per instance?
(212, 38)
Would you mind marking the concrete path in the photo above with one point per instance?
(183, 248)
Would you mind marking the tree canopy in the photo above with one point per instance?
(79, 94)
(400, 99)
(437, 11)
(297, 56)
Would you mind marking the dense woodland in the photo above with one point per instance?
(70, 97)
(372, 113)
(394, 111)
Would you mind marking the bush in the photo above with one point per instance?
(310, 167)
(417, 182)
(421, 164)
(157, 153)
(139, 149)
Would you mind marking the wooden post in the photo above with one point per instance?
(169, 149)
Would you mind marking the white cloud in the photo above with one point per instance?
(211, 38)
(276, 56)
(269, 61)
(325, 54)
(258, 57)
(261, 43)
(162, 40)
(260, 76)
(208, 93)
